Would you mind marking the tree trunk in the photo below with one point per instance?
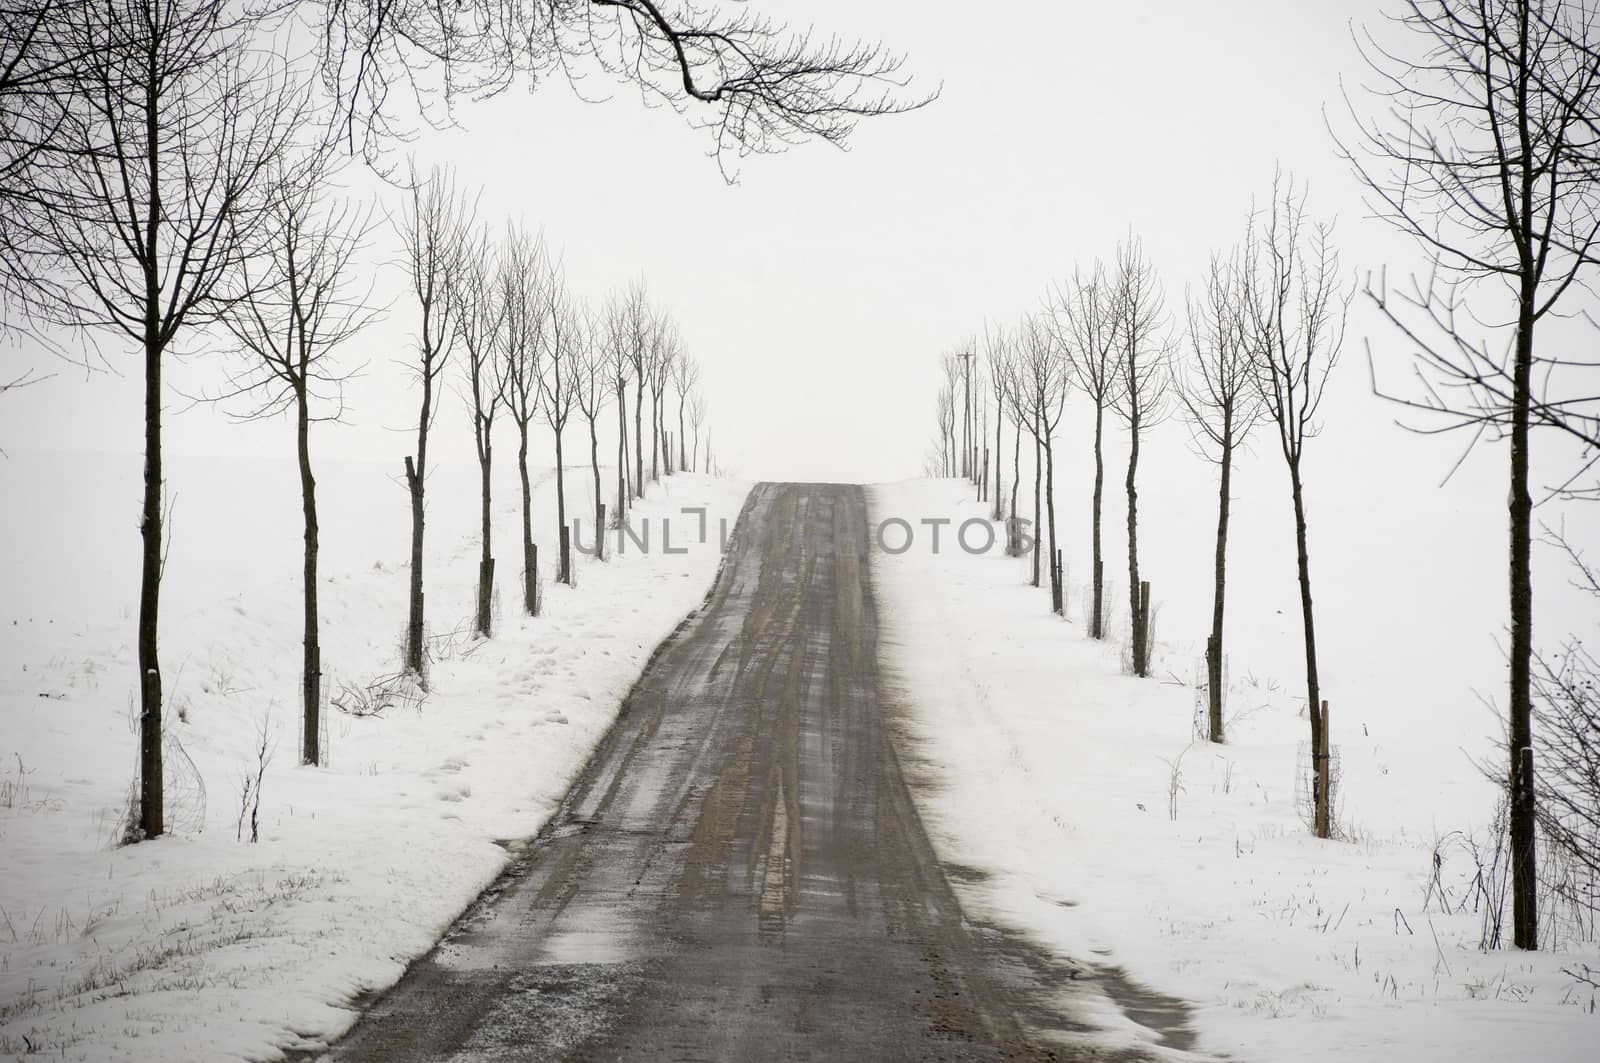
(152, 806)
(1313, 695)
(530, 568)
(1050, 505)
(1016, 466)
(622, 454)
(638, 438)
(1214, 646)
(1140, 664)
(1097, 622)
(416, 479)
(1524, 864)
(564, 562)
(663, 436)
(152, 810)
(599, 503)
(999, 467)
(683, 440)
(311, 667)
(1038, 472)
(966, 419)
(486, 553)
(414, 620)
(655, 437)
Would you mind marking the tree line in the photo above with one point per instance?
(529, 348)
(1262, 335)
(164, 177)
(1478, 137)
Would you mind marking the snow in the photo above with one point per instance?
(200, 946)
(1046, 768)
(1033, 755)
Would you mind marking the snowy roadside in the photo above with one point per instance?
(199, 946)
(1051, 774)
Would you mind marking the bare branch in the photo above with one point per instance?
(755, 86)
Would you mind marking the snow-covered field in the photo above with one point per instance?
(200, 946)
(1102, 827)
(1045, 767)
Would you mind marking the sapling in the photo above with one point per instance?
(250, 785)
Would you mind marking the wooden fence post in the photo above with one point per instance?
(1323, 776)
(531, 573)
(485, 594)
(1214, 690)
(418, 642)
(1097, 621)
(1141, 641)
(1058, 589)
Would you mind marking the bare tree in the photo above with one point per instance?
(658, 365)
(640, 332)
(1015, 408)
(1088, 315)
(998, 352)
(591, 392)
(754, 85)
(566, 335)
(697, 417)
(434, 232)
(1043, 369)
(1295, 315)
(668, 368)
(523, 277)
(172, 125)
(480, 316)
(1219, 395)
(945, 411)
(685, 378)
(620, 313)
(1485, 154)
(980, 420)
(966, 354)
(292, 311)
(1143, 372)
(950, 364)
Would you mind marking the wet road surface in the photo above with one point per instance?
(739, 873)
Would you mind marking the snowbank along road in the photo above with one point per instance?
(739, 873)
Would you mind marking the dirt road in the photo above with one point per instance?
(740, 873)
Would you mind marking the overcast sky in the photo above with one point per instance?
(820, 289)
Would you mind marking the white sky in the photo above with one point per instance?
(819, 291)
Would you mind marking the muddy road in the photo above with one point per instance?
(740, 873)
